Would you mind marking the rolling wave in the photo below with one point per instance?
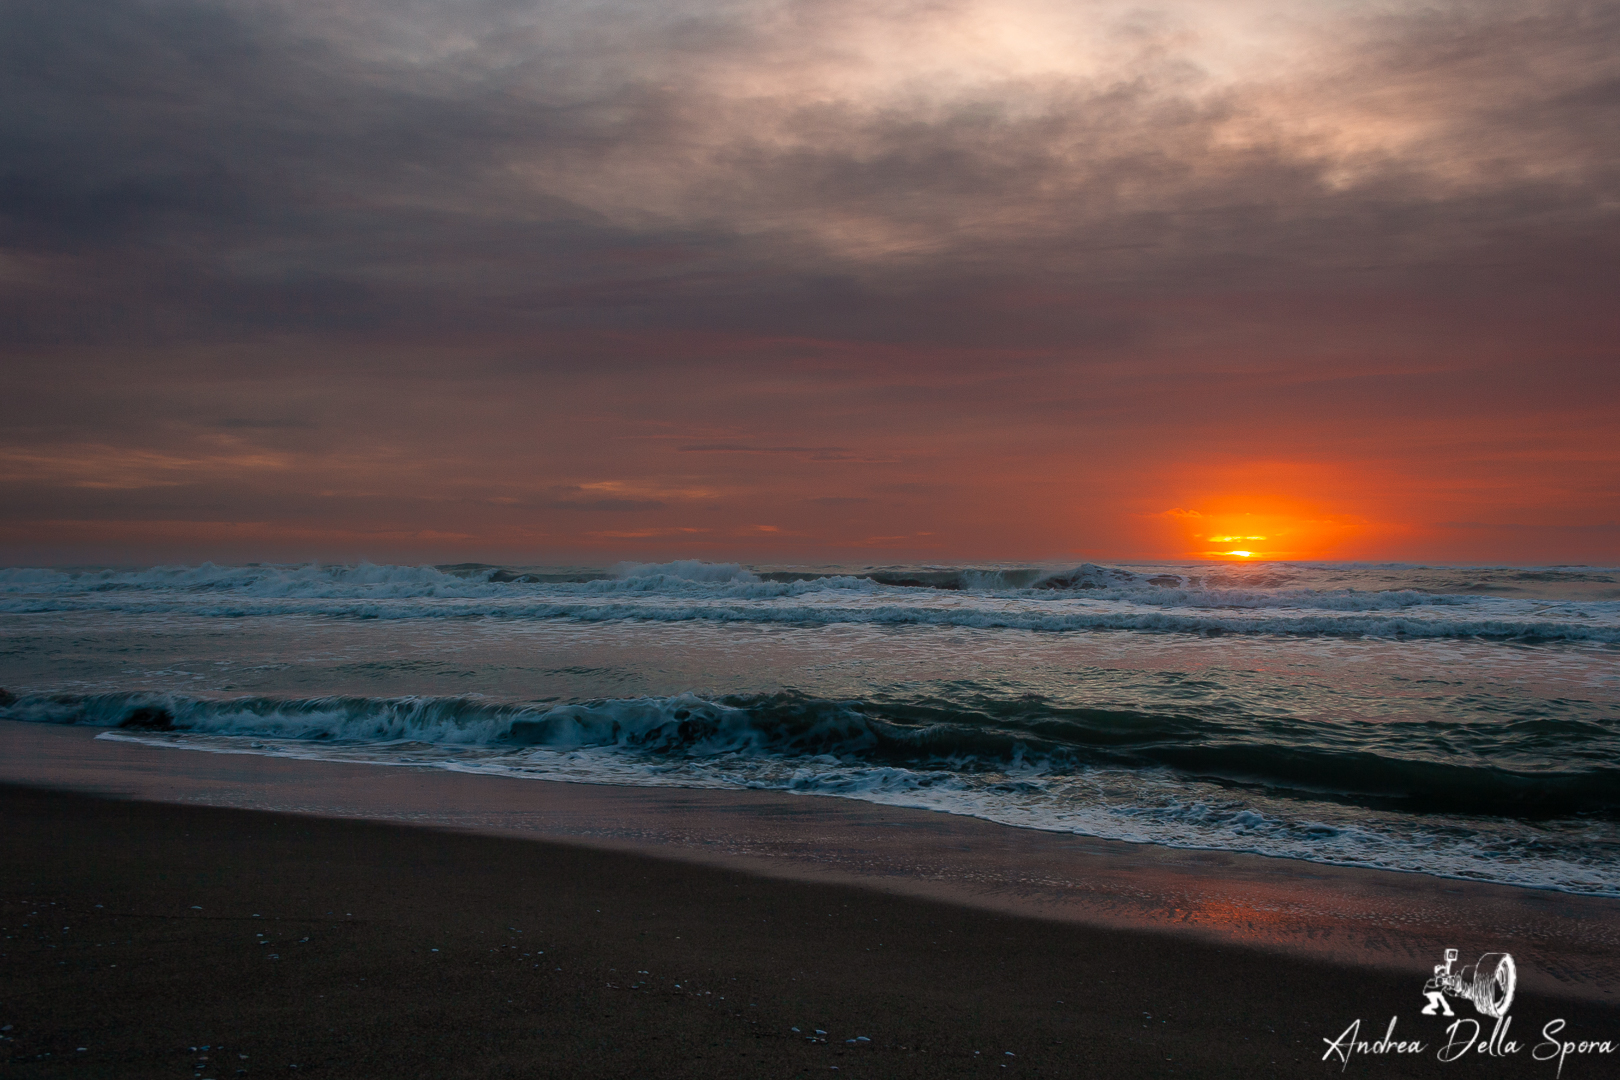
(1178, 779)
(1421, 773)
(1283, 600)
(1495, 760)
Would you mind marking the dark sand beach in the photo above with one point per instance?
(786, 538)
(157, 900)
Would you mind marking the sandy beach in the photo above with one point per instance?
(597, 931)
(743, 538)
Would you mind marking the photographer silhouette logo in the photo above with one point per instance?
(1489, 984)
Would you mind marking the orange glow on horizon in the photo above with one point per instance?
(1268, 528)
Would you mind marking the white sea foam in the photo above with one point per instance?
(1115, 804)
(1007, 762)
(685, 570)
(1120, 735)
(1104, 599)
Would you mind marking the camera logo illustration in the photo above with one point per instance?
(1489, 984)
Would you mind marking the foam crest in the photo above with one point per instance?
(1282, 600)
(1437, 802)
(975, 734)
(1109, 803)
(1046, 618)
(313, 580)
(686, 570)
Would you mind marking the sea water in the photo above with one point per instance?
(1459, 721)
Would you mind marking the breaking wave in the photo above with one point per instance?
(975, 734)
(1277, 600)
(1181, 779)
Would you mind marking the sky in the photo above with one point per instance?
(878, 282)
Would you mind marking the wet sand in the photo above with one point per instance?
(946, 942)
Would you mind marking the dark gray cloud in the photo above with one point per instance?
(244, 423)
(378, 257)
(809, 453)
(184, 168)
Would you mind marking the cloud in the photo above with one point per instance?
(271, 424)
(808, 453)
(116, 468)
(988, 253)
(600, 505)
(264, 166)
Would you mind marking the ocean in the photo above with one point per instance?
(1455, 721)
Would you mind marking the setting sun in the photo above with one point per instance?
(1267, 527)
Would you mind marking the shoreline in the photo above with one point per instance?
(159, 918)
(1568, 945)
(147, 939)
(187, 742)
